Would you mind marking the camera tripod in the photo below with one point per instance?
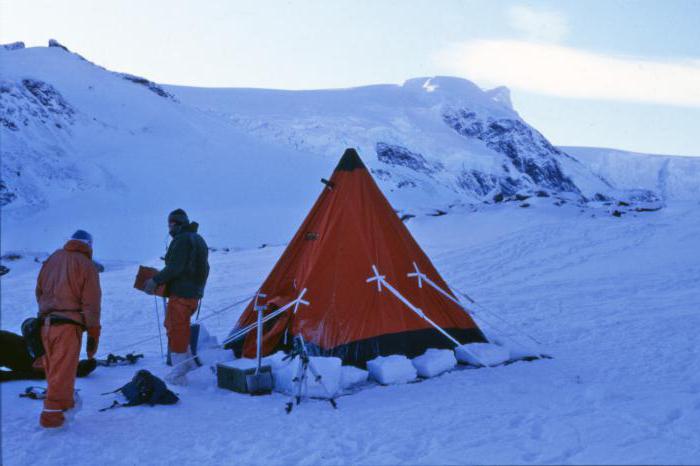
(301, 377)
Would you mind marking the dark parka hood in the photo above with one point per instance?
(191, 227)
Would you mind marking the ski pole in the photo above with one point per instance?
(199, 308)
(160, 336)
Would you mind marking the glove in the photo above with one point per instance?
(93, 341)
(150, 286)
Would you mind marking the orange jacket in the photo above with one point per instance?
(69, 285)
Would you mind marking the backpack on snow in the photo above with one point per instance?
(144, 388)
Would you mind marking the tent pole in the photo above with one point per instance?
(160, 335)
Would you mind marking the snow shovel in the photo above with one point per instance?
(259, 383)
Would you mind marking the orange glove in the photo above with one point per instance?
(93, 341)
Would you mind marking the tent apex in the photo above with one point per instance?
(350, 161)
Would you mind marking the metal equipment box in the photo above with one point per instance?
(232, 376)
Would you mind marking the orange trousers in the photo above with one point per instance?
(62, 345)
(177, 322)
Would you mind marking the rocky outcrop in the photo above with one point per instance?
(400, 156)
(35, 101)
(35, 120)
(55, 43)
(488, 184)
(528, 151)
(13, 46)
(6, 195)
(150, 85)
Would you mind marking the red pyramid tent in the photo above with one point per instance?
(351, 228)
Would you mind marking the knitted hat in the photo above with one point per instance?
(84, 236)
(178, 216)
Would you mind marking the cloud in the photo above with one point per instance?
(569, 72)
(538, 24)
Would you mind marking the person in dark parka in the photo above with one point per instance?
(184, 276)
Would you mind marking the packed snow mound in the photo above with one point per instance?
(482, 354)
(390, 370)
(351, 376)
(434, 362)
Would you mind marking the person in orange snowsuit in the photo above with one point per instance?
(69, 295)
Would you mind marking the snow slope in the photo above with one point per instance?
(671, 176)
(438, 138)
(92, 149)
(613, 300)
(85, 147)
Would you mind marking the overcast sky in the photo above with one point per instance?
(611, 73)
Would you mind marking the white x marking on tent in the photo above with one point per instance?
(299, 301)
(418, 274)
(376, 278)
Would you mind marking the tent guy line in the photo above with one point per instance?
(213, 314)
(295, 303)
(381, 280)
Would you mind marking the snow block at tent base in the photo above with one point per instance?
(482, 354)
(232, 375)
(518, 352)
(276, 360)
(328, 368)
(351, 375)
(434, 362)
(390, 370)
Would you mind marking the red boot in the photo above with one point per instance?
(52, 418)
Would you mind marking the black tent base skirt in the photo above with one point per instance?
(409, 344)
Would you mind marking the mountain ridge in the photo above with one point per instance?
(79, 139)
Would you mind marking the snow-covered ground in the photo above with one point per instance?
(615, 301)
